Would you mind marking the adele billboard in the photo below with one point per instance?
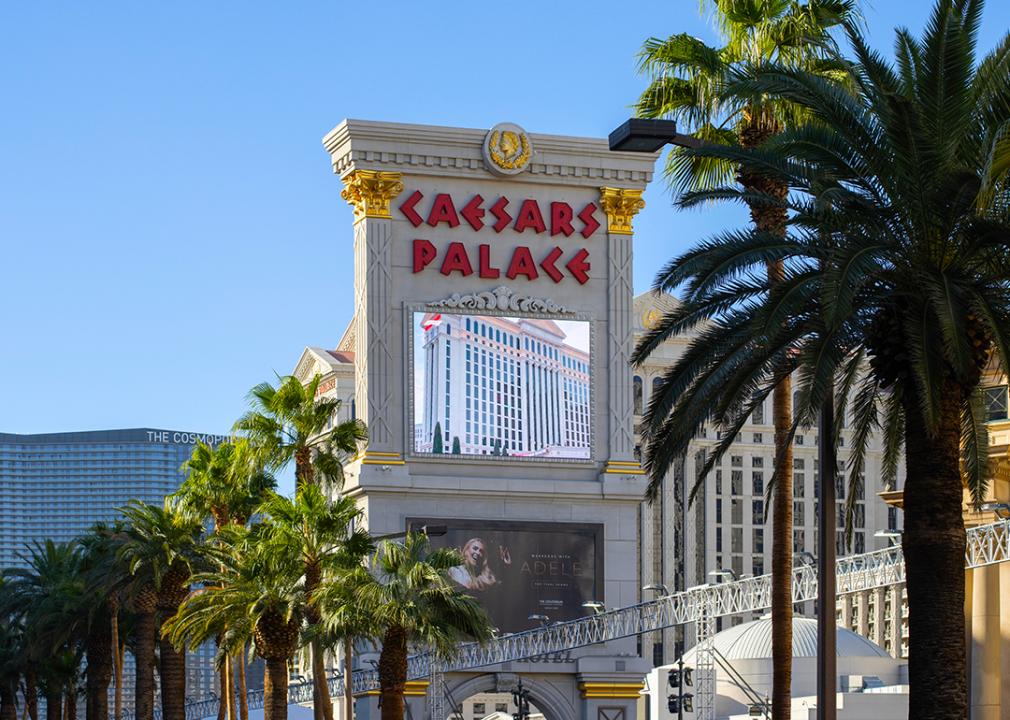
(521, 569)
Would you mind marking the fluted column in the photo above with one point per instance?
(847, 611)
(879, 601)
(379, 396)
(985, 685)
(863, 614)
(896, 629)
(620, 206)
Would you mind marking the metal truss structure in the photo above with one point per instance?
(986, 545)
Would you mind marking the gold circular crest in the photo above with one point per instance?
(650, 319)
(507, 149)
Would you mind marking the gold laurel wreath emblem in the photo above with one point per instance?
(509, 151)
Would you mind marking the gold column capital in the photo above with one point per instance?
(369, 192)
(621, 205)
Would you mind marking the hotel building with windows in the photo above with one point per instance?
(54, 486)
(502, 386)
(726, 531)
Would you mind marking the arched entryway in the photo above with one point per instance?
(549, 700)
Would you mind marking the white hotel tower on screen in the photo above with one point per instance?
(503, 386)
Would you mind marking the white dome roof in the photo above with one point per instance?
(753, 640)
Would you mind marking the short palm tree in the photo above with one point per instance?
(105, 575)
(690, 83)
(251, 593)
(225, 484)
(159, 548)
(410, 600)
(288, 423)
(46, 595)
(895, 291)
(12, 656)
(323, 534)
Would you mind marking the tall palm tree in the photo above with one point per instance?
(410, 600)
(12, 656)
(895, 293)
(323, 535)
(225, 484)
(160, 550)
(252, 593)
(689, 84)
(289, 423)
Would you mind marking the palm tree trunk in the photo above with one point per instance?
(243, 691)
(782, 556)
(144, 650)
(31, 693)
(222, 705)
(393, 673)
(231, 687)
(772, 219)
(303, 467)
(173, 682)
(8, 705)
(348, 679)
(54, 705)
(934, 544)
(99, 654)
(322, 686)
(70, 709)
(117, 651)
(275, 690)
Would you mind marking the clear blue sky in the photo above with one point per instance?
(170, 230)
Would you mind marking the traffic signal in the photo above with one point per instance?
(673, 677)
(689, 703)
(688, 677)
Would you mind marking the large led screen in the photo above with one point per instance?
(519, 570)
(501, 386)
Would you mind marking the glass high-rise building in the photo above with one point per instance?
(56, 485)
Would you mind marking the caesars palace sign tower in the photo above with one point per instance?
(491, 339)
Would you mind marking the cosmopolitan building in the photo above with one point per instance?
(56, 485)
(502, 386)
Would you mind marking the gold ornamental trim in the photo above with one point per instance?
(413, 688)
(620, 205)
(611, 690)
(623, 467)
(369, 192)
(507, 149)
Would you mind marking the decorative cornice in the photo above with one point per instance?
(369, 192)
(456, 152)
(501, 298)
(621, 205)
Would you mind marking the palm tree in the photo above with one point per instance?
(322, 534)
(410, 600)
(12, 656)
(159, 548)
(251, 593)
(289, 423)
(895, 292)
(46, 595)
(104, 576)
(690, 84)
(225, 484)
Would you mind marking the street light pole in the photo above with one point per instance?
(826, 632)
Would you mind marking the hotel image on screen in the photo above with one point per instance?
(501, 386)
